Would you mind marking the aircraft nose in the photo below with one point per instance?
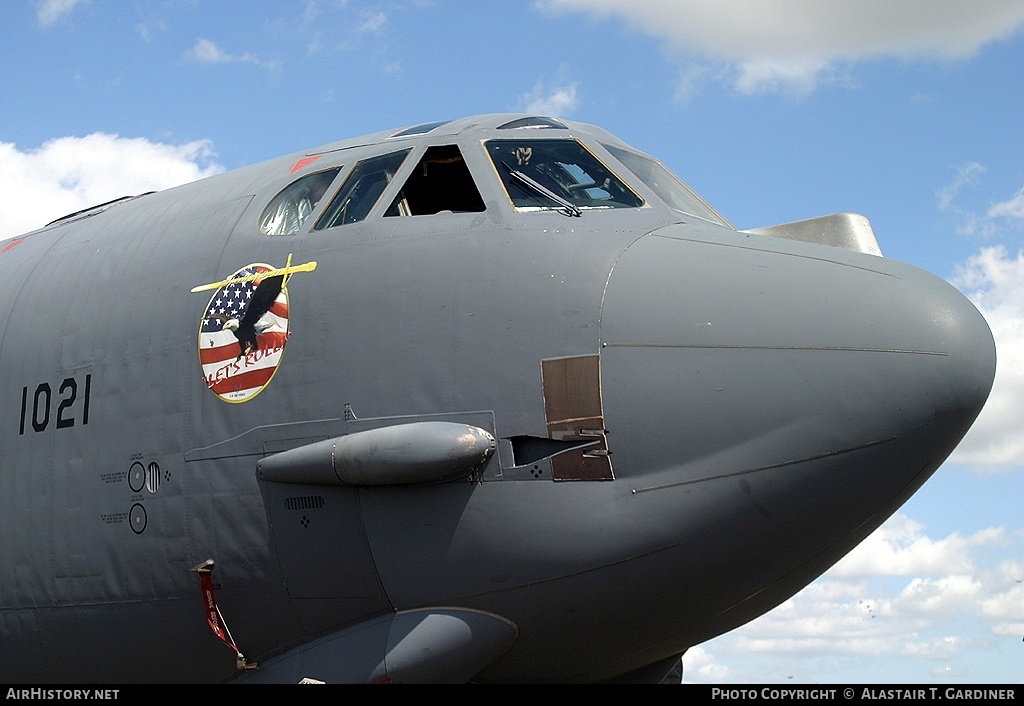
(823, 386)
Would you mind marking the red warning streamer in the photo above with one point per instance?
(213, 615)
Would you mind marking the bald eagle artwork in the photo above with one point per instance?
(248, 328)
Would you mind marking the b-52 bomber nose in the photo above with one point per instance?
(780, 400)
(597, 425)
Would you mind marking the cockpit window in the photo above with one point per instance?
(361, 190)
(440, 182)
(534, 122)
(568, 176)
(420, 129)
(287, 211)
(666, 185)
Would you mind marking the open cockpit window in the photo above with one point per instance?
(557, 175)
(287, 211)
(361, 190)
(666, 185)
(440, 182)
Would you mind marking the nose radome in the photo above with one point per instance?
(941, 318)
(736, 355)
(769, 403)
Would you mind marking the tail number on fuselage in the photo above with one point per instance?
(69, 405)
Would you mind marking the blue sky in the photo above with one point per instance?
(907, 111)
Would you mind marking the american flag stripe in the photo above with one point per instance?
(244, 382)
(226, 353)
(280, 307)
(218, 355)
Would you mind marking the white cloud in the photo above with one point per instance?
(315, 8)
(691, 78)
(994, 280)
(312, 12)
(898, 548)
(827, 29)
(787, 44)
(943, 648)
(372, 23)
(559, 101)
(901, 596)
(1004, 608)
(146, 30)
(998, 216)
(205, 51)
(49, 11)
(939, 598)
(699, 663)
(970, 221)
(1012, 208)
(797, 76)
(967, 175)
(71, 173)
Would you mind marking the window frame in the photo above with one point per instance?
(338, 169)
(421, 160)
(504, 182)
(717, 218)
(398, 173)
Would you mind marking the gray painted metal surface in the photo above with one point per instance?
(689, 423)
(841, 230)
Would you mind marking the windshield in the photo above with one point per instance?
(666, 185)
(361, 190)
(286, 213)
(568, 176)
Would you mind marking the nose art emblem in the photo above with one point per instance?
(244, 329)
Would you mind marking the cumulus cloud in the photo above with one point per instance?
(939, 598)
(49, 11)
(899, 548)
(994, 280)
(542, 100)
(699, 663)
(71, 173)
(784, 44)
(937, 648)
(1003, 609)
(900, 596)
